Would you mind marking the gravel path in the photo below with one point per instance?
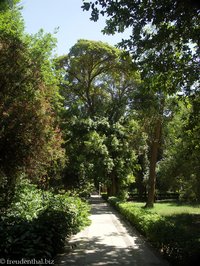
(108, 241)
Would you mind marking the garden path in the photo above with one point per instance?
(108, 241)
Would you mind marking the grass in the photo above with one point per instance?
(168, 209)
(171, 208)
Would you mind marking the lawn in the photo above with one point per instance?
(171, 208)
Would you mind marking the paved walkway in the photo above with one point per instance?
(108, 241)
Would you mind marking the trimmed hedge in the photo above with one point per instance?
(167, 233)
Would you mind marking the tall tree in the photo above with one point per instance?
(85, 63)
(98, 87)
(164, 43)
(30, 140)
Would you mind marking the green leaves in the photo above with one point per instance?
(178, 170)
(38, 222)
(93, 74)
(162, 37)
(98, 86)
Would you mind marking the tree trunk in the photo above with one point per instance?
(112, 190)
(153, 161)
(141, 187)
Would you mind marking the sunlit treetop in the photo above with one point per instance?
(177, 18)
(165, 34)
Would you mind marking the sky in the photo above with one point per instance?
(73, 22)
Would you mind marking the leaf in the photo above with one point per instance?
(86, 6)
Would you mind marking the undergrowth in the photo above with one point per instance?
(38, 222)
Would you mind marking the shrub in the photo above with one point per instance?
(40, 238)
(28, 201)
(38, 223)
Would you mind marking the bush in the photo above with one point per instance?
(75, 209)
(38, 223)
(28, 201)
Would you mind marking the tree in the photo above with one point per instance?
(164, 34)
(164, 43)
(179, 168)
(149, 108)
(87, 68)
(8, 4)
(30, 139)
(99, 81)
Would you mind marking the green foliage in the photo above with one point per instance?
(8, 4)
(38, 238)
(38, 222)
(165, 46)
(178, 170)
(30, 138)
(97, 149)
(97, 80)
(27, 209)
(98, 84)
(162, 34)
(172, 232)
(11, 21)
